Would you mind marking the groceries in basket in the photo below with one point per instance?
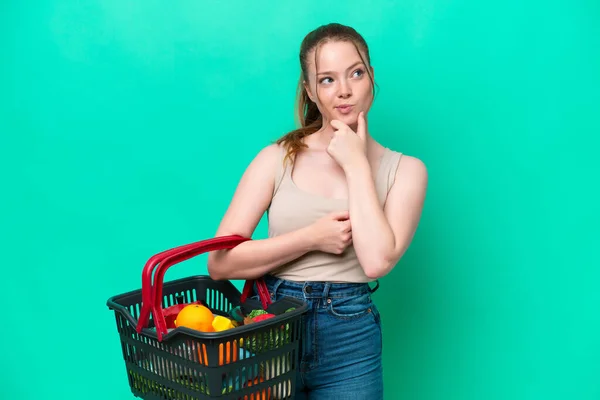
(202, 319)
(200, 338)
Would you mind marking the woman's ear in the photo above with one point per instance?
(308, 91)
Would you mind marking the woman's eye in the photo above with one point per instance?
(359, 72)
(325, 80)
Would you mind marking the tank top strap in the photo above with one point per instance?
(394, 161)
(387, 172)
(281, 169)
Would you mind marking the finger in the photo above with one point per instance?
(337, 124)
(348, 226)
(361, 129)
(340, 215)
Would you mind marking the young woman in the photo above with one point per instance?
(342, 210)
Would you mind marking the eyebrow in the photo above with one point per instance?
(349, 68)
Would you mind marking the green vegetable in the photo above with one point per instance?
(254, 313)
(290, 309)
(147, 386)
(265, 341)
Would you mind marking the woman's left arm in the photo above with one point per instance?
(381, 235)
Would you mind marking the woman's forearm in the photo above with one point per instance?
(372, 236)
(255, 258)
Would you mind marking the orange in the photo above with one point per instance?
(195, 316)
(231, 354)
(228, 356)
(265, 395)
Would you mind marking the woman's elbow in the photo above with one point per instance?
(376, 272)
(215, 269)
(379, 267)
(215, 274)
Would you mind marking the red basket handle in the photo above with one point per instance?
(218, 243)
(147, 289)
(187, 252)
(263, 292)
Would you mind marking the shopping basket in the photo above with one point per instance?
(251, 361)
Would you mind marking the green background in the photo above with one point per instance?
(125, 127)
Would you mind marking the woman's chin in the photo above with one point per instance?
(348, 119)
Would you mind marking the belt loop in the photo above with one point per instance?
(273, 289)
(326, 289)
(373, 290)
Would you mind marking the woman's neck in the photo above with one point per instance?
(319, 141)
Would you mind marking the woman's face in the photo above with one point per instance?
(342, 85)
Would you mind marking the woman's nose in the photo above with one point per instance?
(345, 90)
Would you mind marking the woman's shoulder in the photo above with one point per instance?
(403, 165)
(411, 171)
(404, 160)
(269, 154)
(269, 161)
(412, 164)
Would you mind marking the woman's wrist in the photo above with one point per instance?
(306, 238)
(358, 169)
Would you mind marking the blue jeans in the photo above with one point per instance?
(340, 356)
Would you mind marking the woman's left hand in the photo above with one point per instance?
(346, 146)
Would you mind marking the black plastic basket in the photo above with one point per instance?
(253, 361)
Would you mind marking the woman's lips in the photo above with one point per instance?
(345, 108)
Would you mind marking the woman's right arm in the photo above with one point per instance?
(255, 258)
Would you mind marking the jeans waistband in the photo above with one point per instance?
(314, 290)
